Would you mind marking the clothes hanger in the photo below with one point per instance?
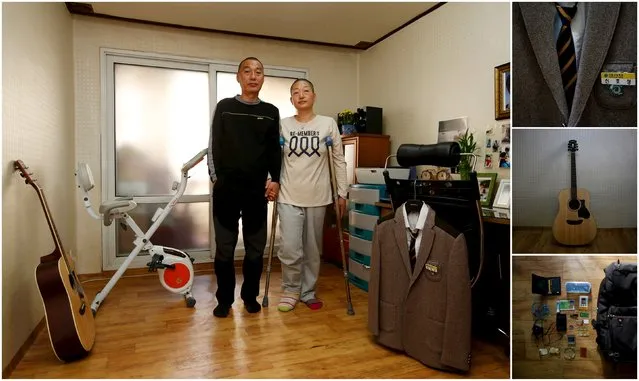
(414, 205)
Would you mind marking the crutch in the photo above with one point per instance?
(329, 144)
(271, 244)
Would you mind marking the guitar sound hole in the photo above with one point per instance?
(574, 204)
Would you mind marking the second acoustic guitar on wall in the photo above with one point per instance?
(574, 224)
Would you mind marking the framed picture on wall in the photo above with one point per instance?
(502, 198)
(486, 182)
(502, 91)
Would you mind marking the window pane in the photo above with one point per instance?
(276, 90)
(161, 121)
(185, 228)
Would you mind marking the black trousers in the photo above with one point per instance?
(229, 203)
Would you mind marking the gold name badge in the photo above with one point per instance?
(618, 78)
(432, 268)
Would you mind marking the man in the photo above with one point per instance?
(567, 58)
(244, 148)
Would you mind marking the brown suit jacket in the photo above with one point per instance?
(426, 314)
(609, 45)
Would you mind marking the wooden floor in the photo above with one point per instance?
(541, 240)
(527, 362)
(145, 332)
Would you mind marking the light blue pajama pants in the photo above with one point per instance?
(300, 248)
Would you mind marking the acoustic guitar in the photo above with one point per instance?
(574, 225)
(68, 314)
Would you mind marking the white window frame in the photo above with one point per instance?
(108, 57)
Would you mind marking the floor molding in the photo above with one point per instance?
(6, 372)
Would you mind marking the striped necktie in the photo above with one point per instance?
(566, 52)
(411, 251)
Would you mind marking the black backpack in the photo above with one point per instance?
(616, 323)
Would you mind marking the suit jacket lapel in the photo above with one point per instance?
(400, 238)
(539, 19)
(425, 245)
(601, 19)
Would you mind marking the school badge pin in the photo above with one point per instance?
(432, 267)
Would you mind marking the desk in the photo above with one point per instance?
(527, 362)
(490, 216)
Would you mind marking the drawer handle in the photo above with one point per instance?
(366, 267)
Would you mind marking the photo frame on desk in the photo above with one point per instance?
(502, 91)
(502, 198)
(486, 183)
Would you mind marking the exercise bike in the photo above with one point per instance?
(174, 267)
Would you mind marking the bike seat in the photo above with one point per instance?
(119, 205)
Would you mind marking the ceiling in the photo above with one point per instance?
(355, 25)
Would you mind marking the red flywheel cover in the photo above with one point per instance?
(178, 277)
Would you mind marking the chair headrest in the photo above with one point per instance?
(440, 154)
(85, 177)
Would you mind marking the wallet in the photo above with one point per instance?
(546, 286)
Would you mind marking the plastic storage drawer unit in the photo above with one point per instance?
(369, 209)
(361, 225)
(362, 219)
(360, 250)
(367, 193)
(358, 274)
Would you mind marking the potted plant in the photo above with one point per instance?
(467, 144)
(346, 119)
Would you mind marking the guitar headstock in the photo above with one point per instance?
(28, 177)
(573, 146)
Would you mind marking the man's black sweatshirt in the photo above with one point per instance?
(245, 143)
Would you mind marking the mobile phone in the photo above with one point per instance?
(562, 323)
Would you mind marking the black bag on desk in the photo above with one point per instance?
(616, 323)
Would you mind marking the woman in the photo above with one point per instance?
(305, 191)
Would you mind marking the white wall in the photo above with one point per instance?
(606, 166)
(439, 68)
(37, 127)
(333, 71)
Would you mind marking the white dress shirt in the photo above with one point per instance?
(414, 221)
(577, 26)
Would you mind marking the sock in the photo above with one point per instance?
(287, 303)
(314, 304)
(221, 310)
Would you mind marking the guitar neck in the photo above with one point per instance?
(573, 177)
(59, 250)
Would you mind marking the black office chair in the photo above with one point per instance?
(455, 201)
(458, 203)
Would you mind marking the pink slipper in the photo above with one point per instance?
(314, 304)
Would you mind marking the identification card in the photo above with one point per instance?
(618, 78)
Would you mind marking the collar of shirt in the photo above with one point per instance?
(238, 97)
(577, 26)
(421, 220)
